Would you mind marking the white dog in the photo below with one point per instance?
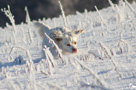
(65, 38)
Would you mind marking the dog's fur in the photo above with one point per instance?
(65, 38)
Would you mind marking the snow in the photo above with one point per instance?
(106, 58)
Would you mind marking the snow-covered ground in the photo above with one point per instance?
(106, 59)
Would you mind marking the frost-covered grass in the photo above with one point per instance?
(106, 58)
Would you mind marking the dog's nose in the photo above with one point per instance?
(74, 50)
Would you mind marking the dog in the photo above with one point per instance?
(65, 38)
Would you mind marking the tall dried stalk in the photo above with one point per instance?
(50, 60)
(112, 5)
(100, 16)
(63, 14)
(11, 18)
(95, 76)
(56, 46)
(28, 20)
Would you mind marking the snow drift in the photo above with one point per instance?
(106, 58)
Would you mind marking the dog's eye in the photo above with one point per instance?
(68, 44)
(75, 42)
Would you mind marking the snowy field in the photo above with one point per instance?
(106, 58)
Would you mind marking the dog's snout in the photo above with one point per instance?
(74, 50)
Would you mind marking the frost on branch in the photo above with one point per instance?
(123, 46)
(28, 20)
(63, 14)
(31, 71)
(129, 5)
(112, 5)
(106, 51)
(49, 56)
(120, 10)
(10, 16)
(56, 46)
(50, 60)
(101, 16)
(95, 76)
(21, 48)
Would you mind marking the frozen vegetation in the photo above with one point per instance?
(106, 58)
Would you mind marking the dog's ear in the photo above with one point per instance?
(56, 35)
(78, 32)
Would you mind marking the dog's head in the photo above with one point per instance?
(67, 40)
